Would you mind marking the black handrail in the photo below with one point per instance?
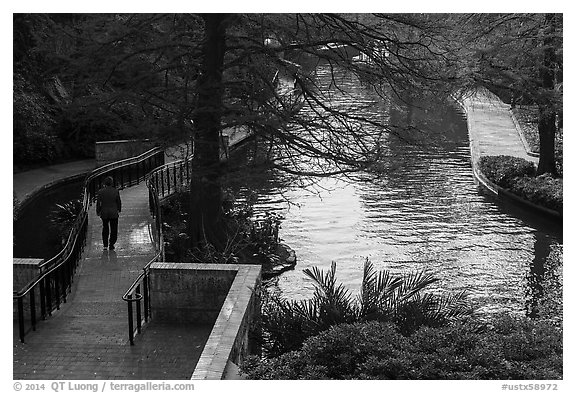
(139, 291)
(56, 274)
(162, 182)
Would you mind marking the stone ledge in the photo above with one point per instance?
(24, 270)
(229, 340)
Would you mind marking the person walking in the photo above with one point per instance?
(108, 207)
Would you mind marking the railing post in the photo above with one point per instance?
(57, 290)
(65, 277)
(48, 296)
(130, 321)
(33, 310)
(42, 300)
(156, 189)
(21, 318)
(61, 292)
(162, 181)
(168, 178)
(146, 297)
(175, 179)
(138, 310)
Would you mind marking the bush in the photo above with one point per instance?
(508, 349)
(249, 239)
(518, 176)
(543, 190)
(404, 301)
(504, 170)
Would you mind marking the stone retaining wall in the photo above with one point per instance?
(112, 151)
(223, 294)
(24, 270)
(189, 293)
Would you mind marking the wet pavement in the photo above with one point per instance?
(88, 337)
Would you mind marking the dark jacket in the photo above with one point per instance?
(108, 204)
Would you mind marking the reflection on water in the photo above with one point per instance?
(423, 212)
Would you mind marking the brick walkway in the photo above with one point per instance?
(88, 337)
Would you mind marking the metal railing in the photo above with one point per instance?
(139, 293)
(163, 182)
(50, 289)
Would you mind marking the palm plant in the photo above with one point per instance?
(383, 297)
(63, 216)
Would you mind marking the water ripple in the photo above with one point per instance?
(425, 212)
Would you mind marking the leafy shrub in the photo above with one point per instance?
(543, 190)
(249, 239)
(402, 301)
(503, 170)
(518, 176)
(508, 349)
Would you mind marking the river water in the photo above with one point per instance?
(424, 212)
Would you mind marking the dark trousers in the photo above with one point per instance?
(109, 228)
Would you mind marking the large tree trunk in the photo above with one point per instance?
(547, 134)
(547, 116)
(205, 223)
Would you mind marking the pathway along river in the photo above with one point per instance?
(425, 212)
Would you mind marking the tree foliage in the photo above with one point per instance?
(519, 56)
(189, 77)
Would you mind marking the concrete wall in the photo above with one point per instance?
(188, 293)
(225, 295)
(111, 151)
(231, 339)
(24, 270)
